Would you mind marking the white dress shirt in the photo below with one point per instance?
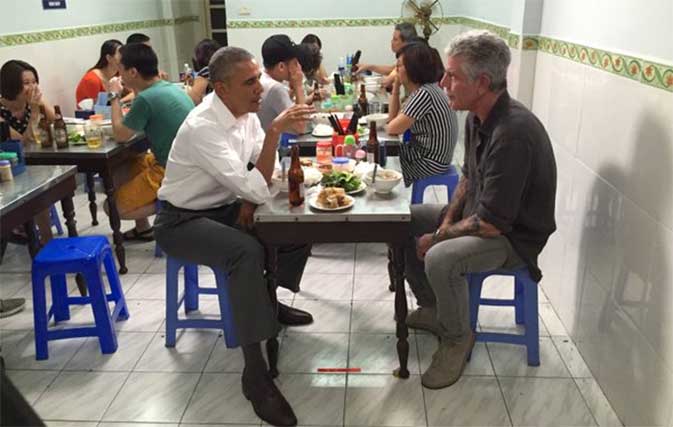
(208, 163)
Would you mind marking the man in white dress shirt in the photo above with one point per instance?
(218, 171)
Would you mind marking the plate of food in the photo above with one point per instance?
(311, 177)
(331, 199)
(351, 183)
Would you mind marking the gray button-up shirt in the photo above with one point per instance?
(511, 169)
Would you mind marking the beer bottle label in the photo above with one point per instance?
(370, 157)
(44, 138)
(60, 136)
(301, 189)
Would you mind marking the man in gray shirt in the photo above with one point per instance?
(501, 213)
(281, 64)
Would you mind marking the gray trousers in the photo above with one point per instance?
(210, 237)
(439, 281)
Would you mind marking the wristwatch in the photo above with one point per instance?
(112, 96)
(435, 235)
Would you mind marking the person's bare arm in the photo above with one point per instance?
(121, 133)
(198, 90)
(288, 120)
(380, 69)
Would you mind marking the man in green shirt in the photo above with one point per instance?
(158, 110)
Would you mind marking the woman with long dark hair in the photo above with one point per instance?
(97, 77)
(426, 113)
(203, 51)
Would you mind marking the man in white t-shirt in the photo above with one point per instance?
(217, 172)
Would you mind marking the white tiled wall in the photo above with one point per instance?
(609, 267)
(374, 41)
(62, 63)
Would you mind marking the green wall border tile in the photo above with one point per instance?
(74, 32)
(649, 73)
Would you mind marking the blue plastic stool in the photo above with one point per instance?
(83, 255)
(190, 298)
(55, 220)
(448, 180)
(158, 253)
(525, 307)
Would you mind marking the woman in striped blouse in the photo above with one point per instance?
(426, 113)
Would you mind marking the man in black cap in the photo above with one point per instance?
(281, 57)
(281, 63)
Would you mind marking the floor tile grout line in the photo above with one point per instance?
(348, 350)
(593, 416)
(497, 379)
(586, 403)
(128, 376)
(424, 396)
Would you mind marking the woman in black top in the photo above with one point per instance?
(20, 107)
(21, 98)
(426, 113)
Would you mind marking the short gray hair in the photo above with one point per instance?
(407, 31)
(223, 61)
(483, 53)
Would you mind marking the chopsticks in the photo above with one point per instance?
(335, 124)
(353, 124)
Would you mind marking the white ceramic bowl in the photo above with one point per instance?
(379, 118)
(386, 180)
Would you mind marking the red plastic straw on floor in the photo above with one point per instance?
(339, 370)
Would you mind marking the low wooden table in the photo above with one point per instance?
(103, 161)
(373, 218)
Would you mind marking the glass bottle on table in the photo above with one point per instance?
(44, 129)
(372, 144)
(362, 101)
(60, 130)
(295, 179)
(317, 99)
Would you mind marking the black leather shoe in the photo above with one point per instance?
(267, 401)
(293, 316)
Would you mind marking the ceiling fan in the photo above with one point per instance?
(420, 13)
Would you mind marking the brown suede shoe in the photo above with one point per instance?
(424, 318)
(448, 362)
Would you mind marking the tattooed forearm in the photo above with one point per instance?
(455, 210)
(472, 226)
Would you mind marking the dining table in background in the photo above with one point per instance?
(104, 161)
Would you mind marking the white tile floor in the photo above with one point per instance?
(345, 287)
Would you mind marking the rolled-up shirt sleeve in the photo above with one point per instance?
(224, 164)
(505, 175)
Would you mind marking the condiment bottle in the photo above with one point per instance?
(349, 146)
(323, 152)
(5, 171)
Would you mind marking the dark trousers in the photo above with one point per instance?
(211, 237)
